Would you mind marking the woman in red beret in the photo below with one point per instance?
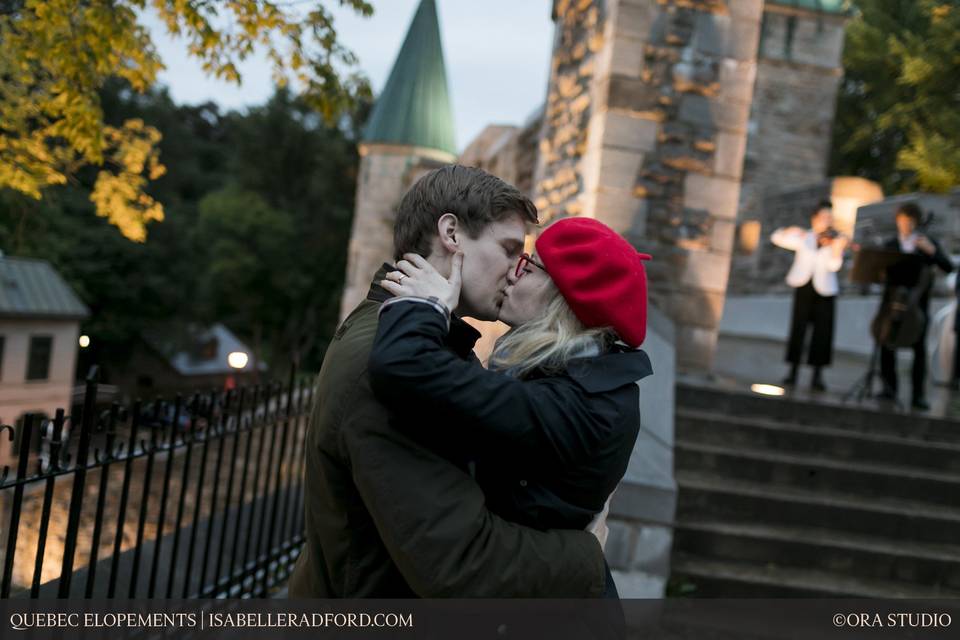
(550, 426)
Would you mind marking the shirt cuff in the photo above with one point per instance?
(432, 301)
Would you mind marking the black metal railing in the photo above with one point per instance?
(190, 498)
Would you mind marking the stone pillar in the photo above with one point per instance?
(645, 129)
(643, 508)
(386, 172)
(695, 81)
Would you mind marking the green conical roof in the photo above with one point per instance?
(414, 107)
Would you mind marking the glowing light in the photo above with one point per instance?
(84, 342)
(237, 359)
(767, 389)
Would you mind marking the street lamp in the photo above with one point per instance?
(84, 342)
(237, 359)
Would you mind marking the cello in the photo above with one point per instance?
(900, 321)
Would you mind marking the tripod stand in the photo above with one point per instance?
(863, 388)
(870, 266)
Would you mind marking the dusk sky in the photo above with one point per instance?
(497, 54)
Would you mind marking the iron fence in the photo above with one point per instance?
(197, 497)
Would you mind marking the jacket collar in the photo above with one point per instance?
(611, 370)
(461, 338)
(376, 292)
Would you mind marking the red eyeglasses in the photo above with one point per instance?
(522, 262)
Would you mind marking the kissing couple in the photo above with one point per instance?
(429, 475)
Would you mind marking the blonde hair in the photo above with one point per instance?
(549, 342)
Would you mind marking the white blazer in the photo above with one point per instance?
(811, 262)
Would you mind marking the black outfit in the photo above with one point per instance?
(809, 307)
(888, 358)
(956, 343)
(388, 517)
(549, 449)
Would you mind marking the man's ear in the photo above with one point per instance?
(448, 228)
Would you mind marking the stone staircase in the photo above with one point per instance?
(784, 498)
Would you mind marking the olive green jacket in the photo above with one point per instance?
(388, 518)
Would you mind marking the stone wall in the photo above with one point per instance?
(507, 151)
(579, 36)
(799, 69)
(386, 172)
(665, 150)
(759, 267)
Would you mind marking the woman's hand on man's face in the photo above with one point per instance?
(417, 277)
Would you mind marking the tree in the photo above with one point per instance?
(237, 184)
(898, 112)
(300, 173)
(251, 275)
(56, 55)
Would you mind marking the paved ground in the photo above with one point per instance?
(752, 345)
(742, 362)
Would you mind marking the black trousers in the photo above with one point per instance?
(955, 375)
(888, 366)
(809, 307)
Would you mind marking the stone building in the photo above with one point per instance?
(410, 132)
(693, 128)
(675, 122)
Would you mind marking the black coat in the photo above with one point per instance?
(549, 449)
(909, 277)
(386, 517)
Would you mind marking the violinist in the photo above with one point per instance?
(909, 240)
(813, 276)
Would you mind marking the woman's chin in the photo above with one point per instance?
(506, 318)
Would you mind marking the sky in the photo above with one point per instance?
(497, 54)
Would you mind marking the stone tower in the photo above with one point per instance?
(645, 128)
(410, 132)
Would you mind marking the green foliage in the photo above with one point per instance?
(258, 214)
(57, 55)
(898, 114)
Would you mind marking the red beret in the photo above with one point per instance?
(599, 274)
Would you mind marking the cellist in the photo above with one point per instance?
(909, 240)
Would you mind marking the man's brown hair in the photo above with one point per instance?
(910, 209)
(477, 198)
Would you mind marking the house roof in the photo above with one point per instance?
(414, 106)
(199, 351)
(821, 6)
(33, 289)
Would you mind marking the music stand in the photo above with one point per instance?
(876, 266)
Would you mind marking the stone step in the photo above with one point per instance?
(704, 495)
(814, 472)
(829, 411)
(839, 552)
(708, 427)
(715, 578)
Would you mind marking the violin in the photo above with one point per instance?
(827, 237)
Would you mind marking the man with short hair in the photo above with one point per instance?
(908, 240)
(385, 516)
